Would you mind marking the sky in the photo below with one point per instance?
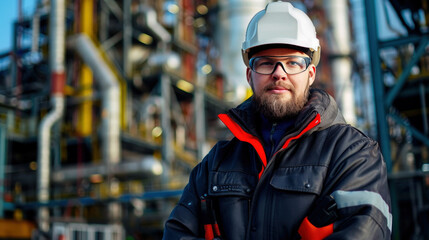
(8, 15)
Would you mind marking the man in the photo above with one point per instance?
(295, 169)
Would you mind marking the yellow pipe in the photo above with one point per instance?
(84, 125)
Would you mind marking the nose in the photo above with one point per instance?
(279, 73)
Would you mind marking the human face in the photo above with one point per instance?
(279, 95)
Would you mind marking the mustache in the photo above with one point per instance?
(281, 84)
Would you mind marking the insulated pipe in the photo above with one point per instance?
(56, 58)
(338, 14)
(151, 21)
(44, 167)
(147, 166)
(234, 15)
(110, 91)
(42, 8)
(110, 112)
(36, 32)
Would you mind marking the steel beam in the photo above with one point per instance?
(415, 132)
(377, 81)
(407, 70)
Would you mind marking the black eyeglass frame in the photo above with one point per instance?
(306, 59)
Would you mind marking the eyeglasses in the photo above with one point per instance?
(290, 64)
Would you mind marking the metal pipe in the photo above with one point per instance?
(57, 38)
(147, 166)
(42, 8)
(44, 168)
(110, 112)
(35, 31)
(151, 21)
(199, 102)
(234, 15)
(337, 12)
(85, 121)
(56, 57)
(167, 145)
(110, 92)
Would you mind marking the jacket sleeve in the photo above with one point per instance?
(184, 222)
(357, 180)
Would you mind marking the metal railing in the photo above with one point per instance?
(84, 231)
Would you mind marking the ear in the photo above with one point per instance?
(248, 75)
(311, 73)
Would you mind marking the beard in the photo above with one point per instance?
(278, 107)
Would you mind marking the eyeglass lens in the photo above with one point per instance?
(290, 64)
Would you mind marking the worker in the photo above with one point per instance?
(294, 168)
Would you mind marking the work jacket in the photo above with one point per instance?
(252, 197)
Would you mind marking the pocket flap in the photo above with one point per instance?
(231, 183)
(301, 179)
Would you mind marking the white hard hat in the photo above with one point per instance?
(281, 23)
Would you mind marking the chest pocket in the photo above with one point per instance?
(301, 179)
(231, 184)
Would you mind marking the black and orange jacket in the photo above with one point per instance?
(258, 198)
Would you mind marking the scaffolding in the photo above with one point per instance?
(137, 90)
(399, 69)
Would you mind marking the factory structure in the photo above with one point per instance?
(107, 105)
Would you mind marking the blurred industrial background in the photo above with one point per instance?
(107, 105)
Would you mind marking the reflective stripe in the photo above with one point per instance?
(355, 198)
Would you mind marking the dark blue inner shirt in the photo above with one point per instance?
(272, 133)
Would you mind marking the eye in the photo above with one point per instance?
(294, 63)
(264, 62)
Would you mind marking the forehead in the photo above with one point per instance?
(278, 52)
